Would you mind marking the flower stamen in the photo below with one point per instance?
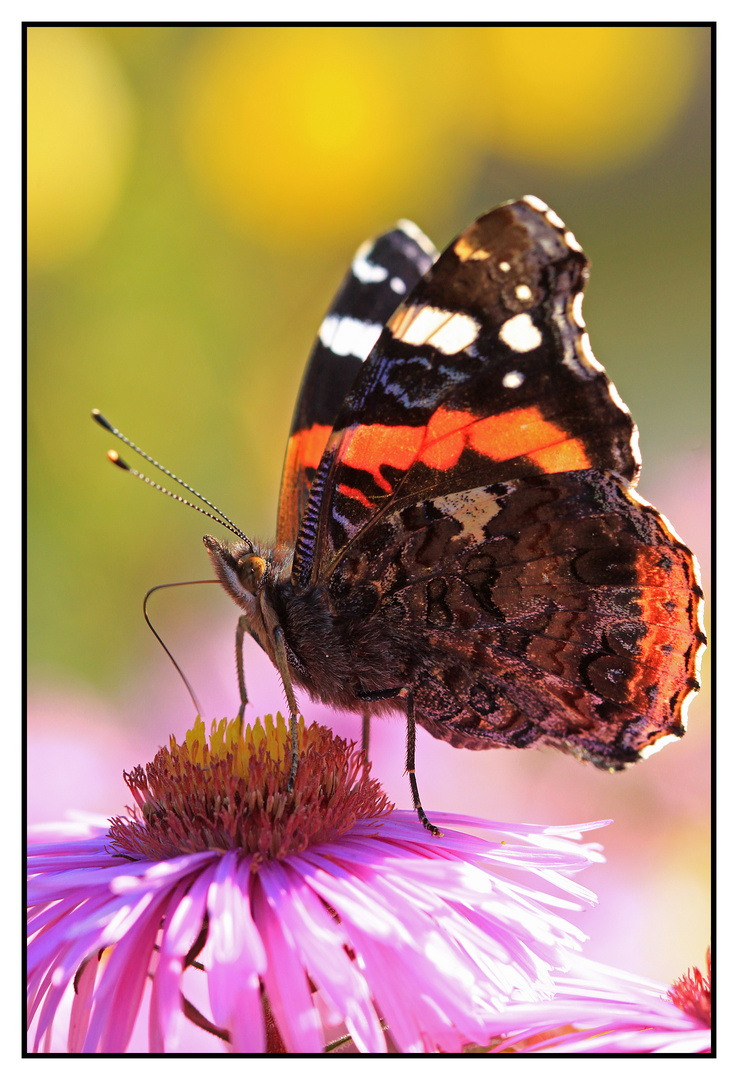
(693, 992)
(231, 791)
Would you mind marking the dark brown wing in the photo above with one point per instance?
(556, 609)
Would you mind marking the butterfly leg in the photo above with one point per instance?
(410, 765)
(372, 695)
(280, 656)
(241, 629)
(401, 691)
(365, 730)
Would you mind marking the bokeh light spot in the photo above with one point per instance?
(80, 125)
(579, 99)
(298, 133)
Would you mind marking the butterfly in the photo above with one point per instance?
(459, 538)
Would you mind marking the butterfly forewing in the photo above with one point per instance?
(483, 373)
(382, 273)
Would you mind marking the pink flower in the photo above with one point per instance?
(283, 920)
(600, 1010)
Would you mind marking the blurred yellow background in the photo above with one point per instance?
(194, 197)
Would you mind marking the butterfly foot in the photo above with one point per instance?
(295, 753)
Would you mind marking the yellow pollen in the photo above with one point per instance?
(229, 790)
(225, 740)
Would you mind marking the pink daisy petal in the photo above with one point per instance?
(234, 955)
(81, 1005)
(52, 978)
(608, 1012)
(412, 1023)
(342, 890)
(117, 997)
(321, 943)
(284, 979)
(180, 930)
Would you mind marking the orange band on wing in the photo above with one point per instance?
(371, 446)
(524, 432)
(354, 493)
(306, 447)
(517, 433)
(670, 638)
(439, 445)
(304, 451)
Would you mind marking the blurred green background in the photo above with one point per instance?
(194, 197)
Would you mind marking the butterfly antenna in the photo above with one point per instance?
(222, 519)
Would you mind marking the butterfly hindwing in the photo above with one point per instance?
(382, 273)
(556, 608)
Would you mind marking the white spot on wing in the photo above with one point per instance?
(398, 285)
(576, 310)
(523, 292)
(367, 272)
(520, 333)
(469, 510)
(647, 751)
(634, 495)
(635, 448)
(588, 355)
(571, 240)
(692, 694)
(536, 203)
(416, 234)
(671, 530)
(456, 334)
(448, 331)
(504, 266)
(512, 380)
(464, 251)
(617, 398)
(554, 219)
(349, 337)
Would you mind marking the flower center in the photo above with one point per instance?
(693, 993)
(230, 791)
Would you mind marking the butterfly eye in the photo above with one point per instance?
(250, 572)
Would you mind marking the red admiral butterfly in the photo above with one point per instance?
(459, 538)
